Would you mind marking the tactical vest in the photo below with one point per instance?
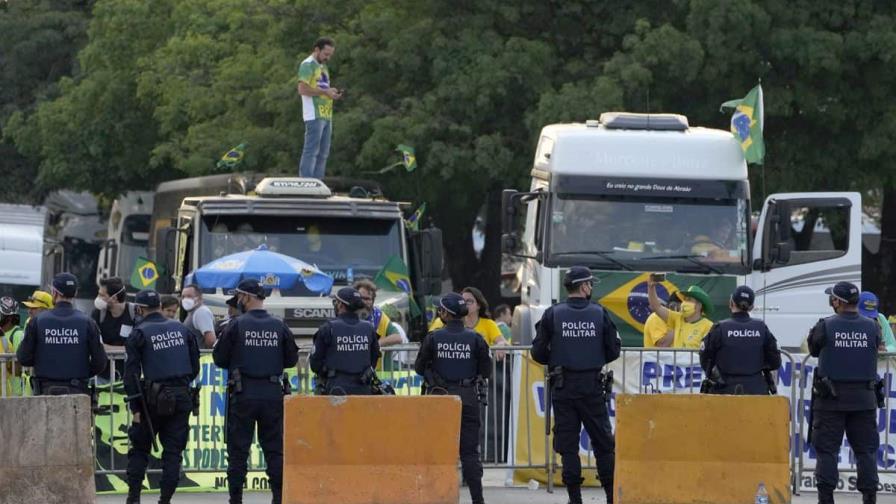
(578, 340)
(166, 353)
(62, 352)
(350, 352)
(454, 354)
(261, 353)
(850, 350)
(741, 352)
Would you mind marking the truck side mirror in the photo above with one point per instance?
(426, 261)
(782, 252)
(509, 211)
(165, 251)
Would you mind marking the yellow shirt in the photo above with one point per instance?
(655, 329)
(688, 334)
(487, 328)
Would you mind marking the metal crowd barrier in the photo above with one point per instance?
(671, 371)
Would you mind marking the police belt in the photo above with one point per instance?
(46, 383)
(332, 373)
(735, 375)
(174, 384)
(465, 383)
(567, 371)
(271, 378)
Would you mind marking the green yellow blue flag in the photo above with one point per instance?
(145, 274)
(408, 157)
(394, 275)
(747, 124)
(232, 158)
(413, 222)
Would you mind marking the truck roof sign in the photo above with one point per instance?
(292, 186)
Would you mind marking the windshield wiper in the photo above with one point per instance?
(692, 258)
(602, 253)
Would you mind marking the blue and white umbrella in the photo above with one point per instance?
(271, 269)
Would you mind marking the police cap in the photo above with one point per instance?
(65, 284)
(743, 295)
(350, 297)
(454, 304)
(251, 287)
(844, 291)
(232, 301)
(576, 275)
(148, 298)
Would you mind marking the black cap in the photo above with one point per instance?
(66, 284)
(743, 294)
(148, 298)
(350, 297)
(576, 275)
(844, 291)
(252, 287)
(453, 303)
(232, 302)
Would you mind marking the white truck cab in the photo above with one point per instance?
(637, 193)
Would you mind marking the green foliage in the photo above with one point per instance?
(164, 87)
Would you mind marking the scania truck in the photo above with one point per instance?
(630, 194)
(346, 236)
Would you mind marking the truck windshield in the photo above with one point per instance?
(649, 234)
(343, 248)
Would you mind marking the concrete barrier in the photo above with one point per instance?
(688, 449)
(373, 449)
(46, 450)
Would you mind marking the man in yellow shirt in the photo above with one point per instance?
(689, 325)
(657, 332)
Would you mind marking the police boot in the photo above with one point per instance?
(869, 498)
(236, 497)
(825, 494)
(133, 496)
(276, 495)
(608, 489)
(575, 494)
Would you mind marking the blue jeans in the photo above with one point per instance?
(317, 148)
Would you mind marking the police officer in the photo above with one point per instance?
(843, 393)
(166, 354)
(576, 338)
(63, 345)
(255, 348)
(739, 352)
(345, 348)
(455, 360)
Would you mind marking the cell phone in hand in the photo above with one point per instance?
(658, 277)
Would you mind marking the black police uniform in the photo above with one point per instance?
(166, 354)
(345, 348)
(63, 345)
(740, 348)
(846, 347)
(578, 337)
(255, 348)
(451, 359)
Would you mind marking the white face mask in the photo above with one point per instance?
(188, 303)
(100, 303)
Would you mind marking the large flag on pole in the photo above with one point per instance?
(145, 274)
(747, 124)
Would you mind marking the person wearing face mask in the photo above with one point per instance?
(164, 353)
(576, 338)
(345, 348)
(689, 325)
(255, 348)
(200, 319)
(115, 316)
(844, 393)
(62, 345)
(450, 360)
(740, 349)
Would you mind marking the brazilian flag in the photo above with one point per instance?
(413, 222)
(747, 124)
(408, 157)
(394, 275)
(145, 274)
(232, 158)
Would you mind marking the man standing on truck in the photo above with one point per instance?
(317, 108)
(576, 338)
(689, 325)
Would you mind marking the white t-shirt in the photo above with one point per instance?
(202, 321)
